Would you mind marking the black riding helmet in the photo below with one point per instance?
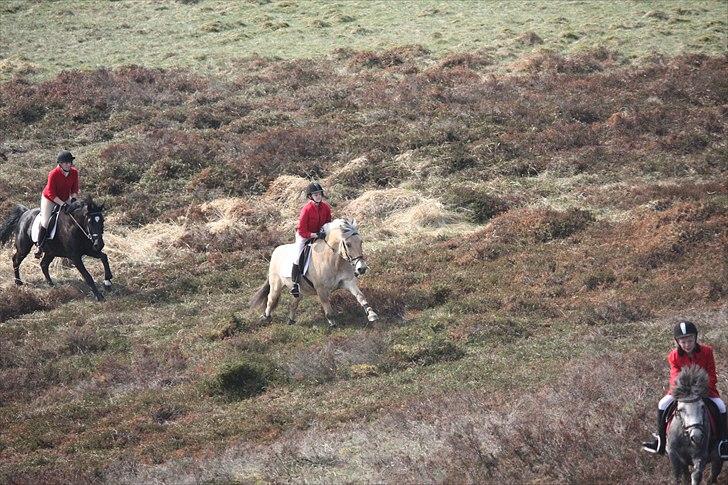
(314, 187)
(685, 328)
(65, 156)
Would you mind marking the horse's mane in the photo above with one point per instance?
(346, 226)
(692, 381)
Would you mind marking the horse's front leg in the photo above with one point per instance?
(78, 263)
(698, 467)
(354, 289)
(44, 264)
(679, 469)
(292, 308)
(325, 297)
(107, 269)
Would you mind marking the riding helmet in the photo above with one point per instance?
(314, 187)
(685, 328)
(65, 156)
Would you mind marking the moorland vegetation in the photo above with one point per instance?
(533, 223)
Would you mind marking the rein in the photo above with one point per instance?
(347, 256)
(85, 233)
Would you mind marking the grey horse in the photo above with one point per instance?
(689, 439)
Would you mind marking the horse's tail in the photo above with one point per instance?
(260, 296)
(10, 225)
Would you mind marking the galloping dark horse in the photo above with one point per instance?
(79, 233)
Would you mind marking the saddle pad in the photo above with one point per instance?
(52, 225)
(290, 257)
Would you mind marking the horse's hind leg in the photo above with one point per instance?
(21, 251)
(274, 295)
(44, 264)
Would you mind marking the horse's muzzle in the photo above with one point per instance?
(360, 268)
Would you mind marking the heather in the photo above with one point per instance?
(534, 224)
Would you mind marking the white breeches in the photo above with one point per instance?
(300, 243)
(46, 207)
(667, 400)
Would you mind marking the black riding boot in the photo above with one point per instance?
(658, 444)
(41, 242)
(296, 277)
(722, 436)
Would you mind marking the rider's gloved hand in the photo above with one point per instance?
(64, 207)
(321, 235)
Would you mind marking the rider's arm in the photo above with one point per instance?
(710, 369)
(303, 229)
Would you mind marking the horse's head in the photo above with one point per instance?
(93, 222)
(691, 413)
(345, 234)
(691, 386)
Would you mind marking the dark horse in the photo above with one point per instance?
(79, 233)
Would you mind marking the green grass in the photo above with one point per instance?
(208, 36)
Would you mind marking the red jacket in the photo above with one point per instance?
(312, 218)
(60, 185)
(703, 356)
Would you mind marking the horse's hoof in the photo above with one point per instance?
(291, 321)
(372, 317)
(107, 284)
(266, 319)
(332, 324)
(50, 283)
(100, 297)
(18, 282)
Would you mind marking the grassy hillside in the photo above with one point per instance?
(535, 221)
(42, 38)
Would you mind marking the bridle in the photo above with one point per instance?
(345, 252)
(700, 426)
(87, 231)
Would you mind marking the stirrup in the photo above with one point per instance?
(653, 446)
(723, 449)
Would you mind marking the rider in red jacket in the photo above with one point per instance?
(689, 352)
(313, 216)
(61, 189)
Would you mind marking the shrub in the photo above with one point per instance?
(433, 350)
(477, 202)
(242, 379)
(559, 225)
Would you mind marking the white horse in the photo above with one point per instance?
(335, 263)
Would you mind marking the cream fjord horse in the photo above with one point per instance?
(335, 263)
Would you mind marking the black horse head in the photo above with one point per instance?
(89, 217)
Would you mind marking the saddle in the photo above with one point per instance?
(52, 225)
(304, 261)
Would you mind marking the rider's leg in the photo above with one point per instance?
(722, 437)
(46, 208)
(296, 270)
(657, 445)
